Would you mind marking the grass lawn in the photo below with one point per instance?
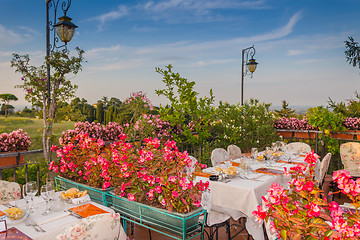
(33, 127)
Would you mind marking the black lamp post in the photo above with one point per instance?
(65, 31)
(64, 28)
(250, 69)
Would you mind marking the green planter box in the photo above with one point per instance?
(185, 225)
(96, 194)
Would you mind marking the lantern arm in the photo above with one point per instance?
(248, 54)
(65, 5)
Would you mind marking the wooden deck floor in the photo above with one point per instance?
(141, 233)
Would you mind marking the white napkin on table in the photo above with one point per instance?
(81, 200)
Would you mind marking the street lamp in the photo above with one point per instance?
(250, 67)
(64, 28)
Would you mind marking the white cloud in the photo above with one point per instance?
(184, 50)
(120, 12)
(10, 38)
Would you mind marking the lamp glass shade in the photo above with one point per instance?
(65, 29)
(251, 65)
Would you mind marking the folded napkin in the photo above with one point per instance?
(257, 176)
(269, 171)
(81, 200)
(202, 174)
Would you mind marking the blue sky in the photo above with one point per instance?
(299, 47)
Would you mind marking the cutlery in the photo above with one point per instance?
(27, 223)
(31, 222)
(74, 214)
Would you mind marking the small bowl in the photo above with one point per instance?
(16, 217)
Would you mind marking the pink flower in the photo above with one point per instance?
(172, 179)
(259, 214)
(130, 197)
(163, 202)
(175, 194)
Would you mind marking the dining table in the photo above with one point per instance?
(240, 194)
(53, 224)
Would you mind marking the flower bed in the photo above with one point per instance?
(152, 173)
(16, 141)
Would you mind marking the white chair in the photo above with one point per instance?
(324, 166)
(105, 226)
(350, 157)
(234, 151)
(298, 147)
(9, 191)
(219, 155)
(191, 169)
(214, 219)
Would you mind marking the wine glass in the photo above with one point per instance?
(31, 189)
(27, 198)
(51, 189)
(254, 152)
(45, 194)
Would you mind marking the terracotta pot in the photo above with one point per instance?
(285, 134)
(304, 135)
(11, 161)
(345, 136)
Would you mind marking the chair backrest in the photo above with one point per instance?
(234, 151)
(324, 166)
(191, 169)
(350, 157)
(298, 147)
(218, 155)
(105, 226)
(9, 191)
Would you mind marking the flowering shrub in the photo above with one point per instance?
(155, 176)
(89, 161)
(148, 125)
(15, 141)
(109, 132)
(352, 123)
(293, 123)
(300, 211)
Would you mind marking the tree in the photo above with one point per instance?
(352, 52)
(186, 110)
(285, 111)
(6, 98)
(61, 89)
(100, 112)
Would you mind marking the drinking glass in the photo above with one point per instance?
(31, 189)
(45, 194)
(254, 152)
(274, 147)
(27, 198)
(51, 189)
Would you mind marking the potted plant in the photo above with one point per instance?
(86, 163)
(150, 182)
(15, 141)
(153, 187)
(302, 211)
(293, 123)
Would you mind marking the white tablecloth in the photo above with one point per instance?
(239, 197)
(53, 223)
